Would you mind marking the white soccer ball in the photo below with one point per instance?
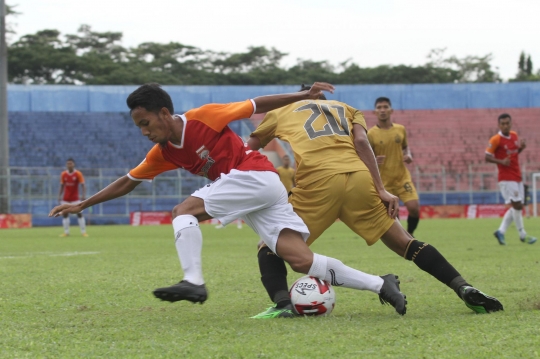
(312, 296)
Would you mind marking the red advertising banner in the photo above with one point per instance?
(485, 210)
(450, 211)
(149, 218)
(16, 220)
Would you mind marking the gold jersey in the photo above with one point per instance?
(286, 176)
(320, 134)
(390, 143)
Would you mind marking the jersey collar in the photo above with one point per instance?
(183, 133)
(507, 137)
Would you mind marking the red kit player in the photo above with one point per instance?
(503, 149)
(69, 194)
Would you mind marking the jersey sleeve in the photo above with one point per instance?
(80, 177)
(357, 117)
(153, 165)
(492, 145)
(266, 131)
(217, 116)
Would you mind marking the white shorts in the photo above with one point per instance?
(71, 202)
(512, 191)
(257, 197)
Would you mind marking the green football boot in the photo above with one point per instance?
(478, 301)
(273, 312)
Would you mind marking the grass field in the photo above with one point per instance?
(91, 297)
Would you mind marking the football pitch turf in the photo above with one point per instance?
(92, 297)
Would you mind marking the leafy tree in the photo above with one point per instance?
(90, 57)
(525, 69)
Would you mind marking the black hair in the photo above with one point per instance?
(70, 159)
(151, 97)
(383, 99)
(307, 88)
(502, 116)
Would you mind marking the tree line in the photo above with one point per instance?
(98, 58)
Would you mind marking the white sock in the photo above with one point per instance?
(239, 223)
(82, 224)
(507, 220)
(189, 246)
(338, 274)
(518, 219)
(65, 223)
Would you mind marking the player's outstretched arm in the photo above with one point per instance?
(365, 152)
(271, 102)
(118, 188)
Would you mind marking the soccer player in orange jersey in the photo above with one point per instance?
(503, 149)
(246, 185)
(70, 179)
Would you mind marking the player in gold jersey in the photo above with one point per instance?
(286, 173)
(389, 143)
(337, 177)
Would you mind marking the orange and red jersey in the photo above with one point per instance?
(501, 147)
(71, 182)
(209, 147)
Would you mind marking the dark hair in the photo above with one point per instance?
(70, 159)
(502, 116)
(383, 99)
(151, 97)
(307, 88)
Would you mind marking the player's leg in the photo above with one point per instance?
(290, 246)
(508, 217)
(409, 197)
(65, 222)
(188, 242)
(517, 199)
(82, 224)
(318, 206)
(430, 260)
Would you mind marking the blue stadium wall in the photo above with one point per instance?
(91, 123)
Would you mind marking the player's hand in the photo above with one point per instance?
(522, 144)
(64, 209)
(407, 159)
(380, 159)
(317, 89)
(506, 161)
(391, 202)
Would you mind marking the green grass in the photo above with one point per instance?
(91, 297)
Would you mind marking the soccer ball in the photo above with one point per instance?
(312, 296)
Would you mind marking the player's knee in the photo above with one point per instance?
(179, 210)
(300, 264)
(79, 215)
(261, 245)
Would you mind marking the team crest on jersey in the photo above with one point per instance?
(203, 153)
(397, 139)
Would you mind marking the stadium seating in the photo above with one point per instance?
(457, 139)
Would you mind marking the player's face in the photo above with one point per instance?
(505, 125)
(153, 125)
(383, 110)
(70, 165)
(286, 161)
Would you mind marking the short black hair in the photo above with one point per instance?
(151, 97)
(502, 116)
(383, 99)
(70, 159)
(307, 88)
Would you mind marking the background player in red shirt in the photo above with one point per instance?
(503, 149)
(69, 194)
(246, 186)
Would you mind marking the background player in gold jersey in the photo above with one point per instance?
(389, 143)
(286, 173)
(350, 189)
